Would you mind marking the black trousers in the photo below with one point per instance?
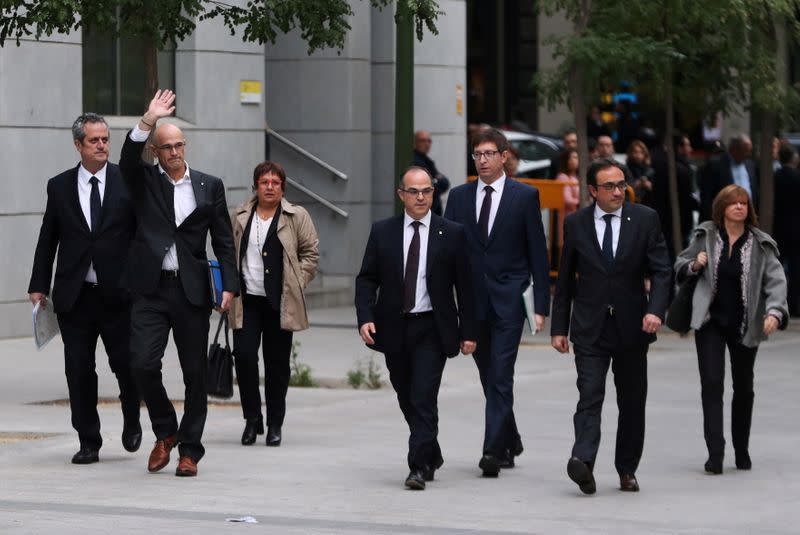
(496, 356)
(152, 317)
(416, 374)
(791, 264)
(629, 365)
(261, 325)
(711, 341)
(93, 316)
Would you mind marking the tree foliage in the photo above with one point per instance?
(321, 23)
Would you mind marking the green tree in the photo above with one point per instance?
(321, 23)
(695, 57)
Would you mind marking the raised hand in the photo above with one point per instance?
(160, 106)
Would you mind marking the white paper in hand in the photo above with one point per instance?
(45, 324)
(527, 302)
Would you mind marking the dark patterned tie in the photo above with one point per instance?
(94, 205)
(486, 208)
(412, 269)
(608, 241)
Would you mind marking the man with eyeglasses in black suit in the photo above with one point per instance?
(611, 248)
(177, 208)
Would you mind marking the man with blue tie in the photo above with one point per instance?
(89, 220)
(505, 247)
(610, 250)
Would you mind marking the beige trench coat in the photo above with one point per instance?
(298, 237)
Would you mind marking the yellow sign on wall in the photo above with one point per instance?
(250, 92)
(459, 99)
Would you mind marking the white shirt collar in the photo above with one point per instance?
(426, 221)
(84, 175)
(186, 177)
(599, 213)
(497, 185)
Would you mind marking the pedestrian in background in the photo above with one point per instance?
(422, 146)
(739, 300)
(277, 250)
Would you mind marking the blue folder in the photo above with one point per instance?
(215, 277)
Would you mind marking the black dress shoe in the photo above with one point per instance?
(506, 462)
(518, 449)
(490, 465)
(131, 436)
(628, 483)
(428, 474)
(251, 429)
(743, 461)
(579, 472)
(273, 435)
(415, 480)
(86, 455)
(714, 465)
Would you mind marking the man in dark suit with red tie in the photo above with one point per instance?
(406, 310)
(177, 208)
(89, 219)
(506, 248)
(611, 249)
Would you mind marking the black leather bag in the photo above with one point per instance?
(679, 314)
(219, 381)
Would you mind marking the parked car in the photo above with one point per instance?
(535, 153)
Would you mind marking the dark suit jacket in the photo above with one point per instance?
(379, 284)
(65, 228)
(787, 215)
(660, 195)
(716, 175)
(155, 211)
(515, 251)
(586, 287)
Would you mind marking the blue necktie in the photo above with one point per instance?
(608, 241)
(94, 205)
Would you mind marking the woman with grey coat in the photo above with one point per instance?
(739, 300)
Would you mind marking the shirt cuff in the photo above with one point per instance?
(139, 135)
(777, 313)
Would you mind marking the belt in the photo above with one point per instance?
(92, 285)
(610, 310)
(170, 273)
(415, 315)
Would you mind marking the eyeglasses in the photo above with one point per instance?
(177, 146)
(270, 182)
(414, 191)
(489, 154)
(611, 186)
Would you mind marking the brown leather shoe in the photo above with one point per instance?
(186, 467)
(628, 483)
(159, 457)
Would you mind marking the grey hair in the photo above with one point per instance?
(78, 130)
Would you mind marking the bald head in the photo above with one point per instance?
(422, 141)
(170, 148)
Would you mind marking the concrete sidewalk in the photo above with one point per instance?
(342, 463)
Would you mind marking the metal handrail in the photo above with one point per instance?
(292, 145)
(321, 200)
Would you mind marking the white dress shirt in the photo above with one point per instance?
(184, 202)
(84, 197)
(253, 265)
(422, 303)
(600, 226)
(497, 186)
(741, 177)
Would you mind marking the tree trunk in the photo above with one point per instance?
(766, 189)
(150, 86)
(674, 200)
(576, 93)
(403, 95)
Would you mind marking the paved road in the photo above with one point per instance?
(342, 463)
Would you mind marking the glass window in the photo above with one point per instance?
(114, 73)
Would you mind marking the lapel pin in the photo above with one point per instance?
(629, 219)
(203, 184)
(440, 233)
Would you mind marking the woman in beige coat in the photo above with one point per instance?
(276, 251)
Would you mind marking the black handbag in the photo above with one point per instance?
(679, 313)
(219, 381)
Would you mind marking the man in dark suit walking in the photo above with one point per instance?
(176, 208)
(505, 247)
(89, 219)
(405, 307)
(732, 167)
(610, 250)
